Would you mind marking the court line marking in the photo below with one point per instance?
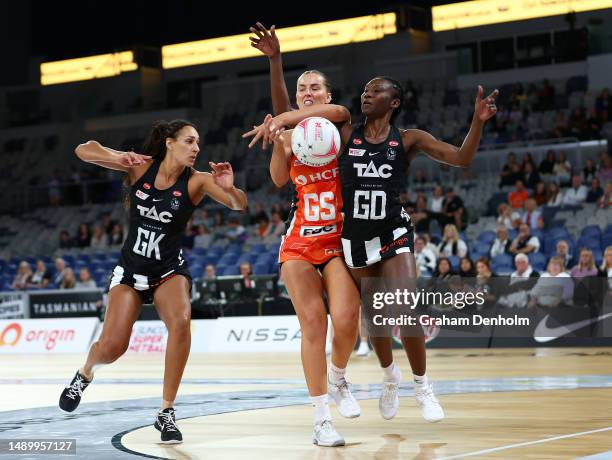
(600, 456)
(529, 443)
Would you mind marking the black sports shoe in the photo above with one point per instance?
(166, 423)
(71, 396)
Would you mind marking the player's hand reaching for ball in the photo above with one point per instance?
(223, 175)
(485, 108)
(264, 40)
(268, 131)
(131, 159)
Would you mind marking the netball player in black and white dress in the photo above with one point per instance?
(164, 191)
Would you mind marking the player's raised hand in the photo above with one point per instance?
(264, 40)
(260, 132)
(223, 175)
(485, 108)
(132, 159)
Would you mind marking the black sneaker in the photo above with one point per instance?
(71, 396)
(166, 423)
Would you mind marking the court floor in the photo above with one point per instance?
(545, 403)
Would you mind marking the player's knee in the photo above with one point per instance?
(314, 327)
(113, 349)
(179, 325)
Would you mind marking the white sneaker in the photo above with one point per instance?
(427, 401)
(345, 402)
(364, 349)
(389, 400)
(325, 434)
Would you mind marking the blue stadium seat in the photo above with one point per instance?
(606, 241)
(591, 231)
(261, 269)
(196, 271)
(229, 259)
(588, 242)
(486, 237)
(454, 261)
(537, 259)
(231, 270)
(557, 232)
(502, 259)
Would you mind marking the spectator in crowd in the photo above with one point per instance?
(507, 216)
(85, 280)
(517, 198)
(425, 258)
(561, 128)
(555, 197)
(548, 163)
(576, 195)
(235, 230)
(605, 168)
(83, 238)
(589, 171)
(527, 159)
(60, 271)
(99, 238)
(605, 201)
(511, 171)
(68, 281)
(603, 106)
(64, 240)
(452, 244)
(246, 271)
(41, 276)
(435, 205)
(203, 237)
(502, 242)
(578, 123)
(563, 252)
(188, 236)
(116, 236)
(606, 266)
(485, 281)
(441, 275)
(525, 242)
(262, 226)
(202, 218)
(593, 125)
(562, 171)
(467, 268)
(107, 223)
(23, 277)
(209, 272)
(276, 227)
(553, 288)
(595, 192)
(540, 196)
(520, 283)
(530, 176)
(454, 209)
(219, 220)
(532, 216)
(419, 177)
(546, 96)
(430, 245)
(420, 215)
(586, 265)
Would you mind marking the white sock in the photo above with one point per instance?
(420, 380)
(321, 408)
(335, 374)
(392, 373)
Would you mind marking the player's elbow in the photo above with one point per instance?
(81, 149)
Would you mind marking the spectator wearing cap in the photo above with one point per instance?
(525, 242)
(577, 194)
(532, 216)
(454, 210)
(518, 197)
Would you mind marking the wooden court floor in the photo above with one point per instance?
(546, 403)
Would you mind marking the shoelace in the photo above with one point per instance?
(389, 390)
(343, 388)
(76, 389)
(169, 423)
(327, 427)
(427, 393)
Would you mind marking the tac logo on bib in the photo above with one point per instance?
(175, 203)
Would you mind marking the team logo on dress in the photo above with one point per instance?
(333, 251)
(393, 143)
(146, 186)
(357, 152)
(357, 141)
(176, 193)
(142, 195)
(309, 232)
(175, 203)
(391, 154)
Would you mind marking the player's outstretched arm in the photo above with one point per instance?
(219, 185)
(130, 162)
(267, 42)
(443, 152)
(279, 162)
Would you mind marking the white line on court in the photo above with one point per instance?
(523, 444)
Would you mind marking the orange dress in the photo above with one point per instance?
(314, 225)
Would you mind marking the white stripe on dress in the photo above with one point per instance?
(117, 277)
(348, 255)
